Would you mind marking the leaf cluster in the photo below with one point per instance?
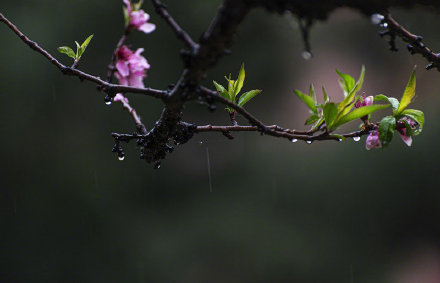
(79, 49)
(232, 93)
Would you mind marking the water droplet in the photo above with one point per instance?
(156, 165)
(200, 142)
(294, 140)
(376, 18)
(308, 142)
(108, 102)
(121, 158)
(356, 139)
(339, 140)
(306, 55)
(383, 25)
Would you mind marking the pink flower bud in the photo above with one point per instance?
(373, 140)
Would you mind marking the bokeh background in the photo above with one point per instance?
(275, 211)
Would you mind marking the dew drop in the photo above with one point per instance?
(306, 55)
(121, 158)
(308, 142)
(108, 102)
(356, 139)
(294, 140)
(376, 18)
(383, 25)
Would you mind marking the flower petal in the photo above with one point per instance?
(122, 68)
(147, 28)
(406, 139)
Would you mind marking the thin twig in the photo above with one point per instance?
(180, 33)
(415, 42)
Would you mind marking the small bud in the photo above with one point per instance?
(429, 66)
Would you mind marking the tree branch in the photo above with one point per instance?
(161, 10)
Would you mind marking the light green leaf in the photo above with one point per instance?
(126, 16)
(67, 50)
(360, 81)
(318, 123)
(326, 97)
(78, 49)
(417, 116)
(137, 6)
(409, 93)
(357, 114)
(312, 119)
(84, 45)
(231, 90)
(240, 80)
(394, 102)
(330, 111)
(386, 130)
(307, 100)
(221, 90)
(245, 97)
(347, 82)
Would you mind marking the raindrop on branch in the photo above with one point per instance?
(356, 139)
(121, 157)
(293, 140)
(308, 142)
(383, 25)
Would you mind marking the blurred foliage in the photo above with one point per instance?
(326, 212)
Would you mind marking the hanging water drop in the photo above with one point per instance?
(293, 140)
(108, 102)
(309, 142)
(339, 140)
(121, 157)
(377, 18)
(306, 55)
(383, 25)
(356, 139)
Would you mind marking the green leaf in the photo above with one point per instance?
(345, 105)
(231, 90)
(85, 44)
(330, 111)
(358, 113)
(307, 100)
(312, 93)
(312, 119)
(326, 97)
(67, 50)
(394, 102)
(137, 6)
(409, 93)
(360, 81)
(240, 80)
(245, 97)
(126, 16)
(417, 116)
(78, 49)
(320, 121)
(386, 130)
(347, 82)
(221, 90)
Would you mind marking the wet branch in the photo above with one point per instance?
(415, 44)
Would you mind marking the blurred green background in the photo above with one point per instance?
(278, 212)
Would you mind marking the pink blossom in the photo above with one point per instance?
(364, 101)
(401, 129)
(138, 19)
(373, 140)
(120, 97)
(131, 67)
